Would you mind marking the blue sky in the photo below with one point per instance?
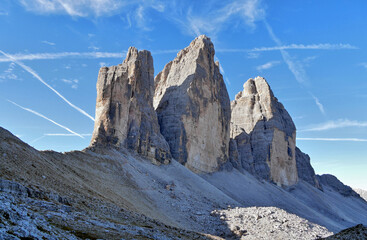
(313, 54)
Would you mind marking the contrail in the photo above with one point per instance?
(65, 134)
(31, 71)
(40, 115)
(334, 139)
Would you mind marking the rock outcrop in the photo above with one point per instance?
(358, 232)
(265, 133)
(328, 180)
(305, 170)
(193, 108)
(125, 116)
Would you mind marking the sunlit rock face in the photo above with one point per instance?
(125, 116)
(264, 133)
(193, 108)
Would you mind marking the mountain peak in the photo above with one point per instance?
(124, 108)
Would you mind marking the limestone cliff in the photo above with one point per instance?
(125, 116)
(265, 134)
(305, 169)
(193, 108)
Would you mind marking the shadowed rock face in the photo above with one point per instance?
(305, 170)
(328, 180)
(125, 116)
(193, 108)
(265, 134)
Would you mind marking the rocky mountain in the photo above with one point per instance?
(264, 133)
(124, 110)
(193, 108)
(229, 170)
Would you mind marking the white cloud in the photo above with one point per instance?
(267, 65)
(320, 46)
(210, 21)
(318, 103)
(93, 48)
(334, 139)
(253, 55)
(34, 74)
(141, 18)
(48, 119)
(73, 83)
(340, 123)
(48, 56)
(294, 66)
(49, 43)
(102, 64)
(80, 8)
(8, 73)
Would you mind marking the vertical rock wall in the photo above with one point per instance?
(265, 133)
(125, 116)
(193, 108)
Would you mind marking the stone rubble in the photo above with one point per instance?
(269, 223)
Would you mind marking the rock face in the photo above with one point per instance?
(193, 108)
(358, 232)
(265, 134)
(125, 116)
(305, 170)
(328, 180)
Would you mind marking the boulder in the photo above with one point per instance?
(125, 116)
(265, 133)
(193, 108)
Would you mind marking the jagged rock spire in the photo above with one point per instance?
(125, 116)
(265, 134)
(193, 107)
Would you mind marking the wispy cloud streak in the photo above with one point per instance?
(34, 74)
(49, 43)
(267, 65)
(49, 56)
(321, 46)
(97, 55)
(294, 67)
(334, 139)
(318, 103)
(48, 119)
(340, 123)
